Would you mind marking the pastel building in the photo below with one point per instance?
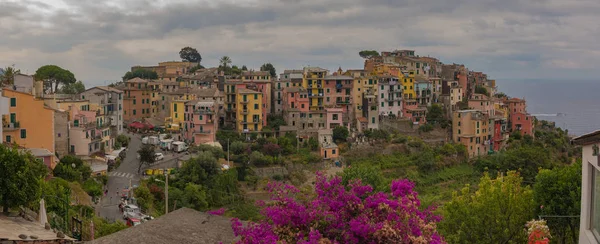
(328, 149)
(334, 118)
(471, 128)
(289, 78)
(88, 133)
(249, 110)
(110, 103)
(423, 92)
(408, 83)
(390, 96)
(136, 100)
(29, 122)
(260, 81)
(519, 119)
(481, 102)
(201, 121)
(589, 227)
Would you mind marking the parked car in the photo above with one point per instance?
(133, 222)
(159, 156)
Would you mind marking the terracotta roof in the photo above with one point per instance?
(247, 91)
(210, 92)
(106, 88)
(338, 77)
(259, 73)
(137, 80)
(180, 226)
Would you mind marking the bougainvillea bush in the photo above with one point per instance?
(339, 214)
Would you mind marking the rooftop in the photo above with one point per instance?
(258, 73)
(210, 92)
(38, 152)
(106, 88)
(180, 226)
(586, 139)
(12, 227)
(137, 80)
(338, 77)
(247, 91)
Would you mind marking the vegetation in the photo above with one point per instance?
(367, 54)
(72, 168)
(147, 156)
(122, 141)
(275, 121)
(269, 67)
(8, 77)
(334, 214)
(52, 74)
(188, 54)
(73, 88)
(481, 90)
(557, 192)
(224, 63)
(340, 133)
(140, 73)
(21, 175)
(495, 213)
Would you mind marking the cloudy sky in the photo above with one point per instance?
(100, 40)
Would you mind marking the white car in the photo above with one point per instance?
(158, 156)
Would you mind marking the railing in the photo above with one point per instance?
(245, 111)
(204, 132)
(244, 101)
(343, 102)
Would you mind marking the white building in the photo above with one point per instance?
(390, 97)
(111, 100)
(589, 227)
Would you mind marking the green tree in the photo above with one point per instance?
(8, 76)
(224, 63)
(104, 228)
(496, 213)
(147, 156)
(92, 187)
(196, 68)
(52, 74)
(21, 177)
(188, 54)
(435, 114)
(275, 121)
(367, 174)
(269, 67)
(140, 73)
(313, 144)
(258, 159)
(123, 141)
(72, 168)
(527, 159)
(244, 68)
(237, 147)
(73, 88)
(481, 90)
(199, 169)
(367, 54)
(340, 133)
(195, 197)
(558, 192)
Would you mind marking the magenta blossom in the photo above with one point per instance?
(219, 211)
(337, 215)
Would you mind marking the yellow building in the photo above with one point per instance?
(175, 121)
(249, 112)
(471, 128)
(29, 123)
(361, 85)
(408, 83)
(313, 82)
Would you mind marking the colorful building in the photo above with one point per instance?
(328, 149)
(408, 83)
(313, 82)
(471, 128)
(481, 102)
(249, 112)
(29, 122)
(519, 119)
(110, 103)
(390, 96)
(260, 81)
(423, 92)
(201, 121)
(136, 99)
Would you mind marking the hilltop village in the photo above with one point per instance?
(193, 104)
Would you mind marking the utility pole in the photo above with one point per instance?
(166, 191)
(228, 153)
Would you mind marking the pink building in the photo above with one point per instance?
(412, 111)
(481, 102)
(334, 117)
(519, 119)
(296, 98)
(338, 92)
(201, 121)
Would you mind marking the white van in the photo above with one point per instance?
(145, 140)
(165, 144)
(179, 146)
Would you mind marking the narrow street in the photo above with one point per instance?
(120, 179)
(127, 174)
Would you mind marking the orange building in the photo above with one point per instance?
(29, 123)
(472, 129)
(136, 100)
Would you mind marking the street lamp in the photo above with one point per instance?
(166, 190)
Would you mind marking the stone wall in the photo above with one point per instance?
(61, 133)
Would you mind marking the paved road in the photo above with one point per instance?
(127, 174)
(120, 179)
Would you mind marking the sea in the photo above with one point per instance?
(572, 105)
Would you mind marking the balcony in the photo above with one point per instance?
(244, 111)
(8, 126)
(343, 102)
(203, 112)
(203, 132)
(244, 101)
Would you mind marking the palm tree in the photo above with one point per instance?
(8, 77)
(225, 61)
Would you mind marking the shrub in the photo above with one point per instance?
(337, 215)
(426, 128)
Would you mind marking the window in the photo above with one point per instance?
(373, 120)
(8, 139)
(458, 123)
(333, 151)
(382, 104)
(595, 212)
(143, 101)
(133, 101)
(255, 96)
(256, 106)
(13, 101)
(175, 107)
(13, 117)
(459, 132)
(335, 117)
(134, 112)
(595, 150)
(23, 133)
